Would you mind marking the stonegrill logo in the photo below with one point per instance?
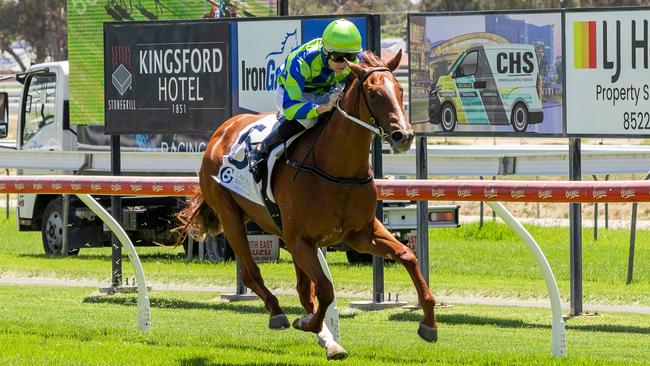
(121, 78)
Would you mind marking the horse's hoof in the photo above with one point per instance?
(336, 352)
(302, 322)
(427, 333)
(279, 322)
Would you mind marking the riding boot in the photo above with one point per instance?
(283, 131)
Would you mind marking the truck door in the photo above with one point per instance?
(469, 88)
(39, 127)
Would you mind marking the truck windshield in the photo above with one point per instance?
(39, 105)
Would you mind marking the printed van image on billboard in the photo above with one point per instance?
(486, 73)
(607, 78)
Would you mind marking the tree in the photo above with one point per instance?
(41, 23)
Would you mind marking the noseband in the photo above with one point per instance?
(379, 131)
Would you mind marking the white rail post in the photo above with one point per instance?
(144, 317)
(558, 332)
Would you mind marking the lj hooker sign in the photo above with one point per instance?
(166, 77)
(607, 73)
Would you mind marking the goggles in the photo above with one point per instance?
(339, 57)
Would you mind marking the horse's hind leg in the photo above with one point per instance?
(376, 240)
(235, 231)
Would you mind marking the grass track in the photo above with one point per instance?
(75, 326)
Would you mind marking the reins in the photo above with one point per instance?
(299, 166)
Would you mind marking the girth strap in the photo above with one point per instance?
(328, 178)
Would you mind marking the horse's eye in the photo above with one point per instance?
(373, 94)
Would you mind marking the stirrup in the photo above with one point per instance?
(257, 166)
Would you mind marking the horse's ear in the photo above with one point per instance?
(356, 69)
(394, 62)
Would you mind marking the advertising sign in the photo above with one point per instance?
(262, 46)
(607, 78)
(166, 77)
(486, 73)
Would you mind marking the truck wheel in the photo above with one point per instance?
(52, 229)
(519, 118)
(448, 117)
(355, 257)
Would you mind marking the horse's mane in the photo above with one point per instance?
(368, 59)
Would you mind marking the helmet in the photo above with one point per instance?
(342, 36)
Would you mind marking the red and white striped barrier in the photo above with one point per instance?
(416, 190)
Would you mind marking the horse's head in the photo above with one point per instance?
(381, 99)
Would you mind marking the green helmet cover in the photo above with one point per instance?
(342, 36)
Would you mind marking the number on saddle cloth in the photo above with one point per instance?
(245, 138)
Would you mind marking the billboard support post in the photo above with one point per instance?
(422, 244)
(575, 219)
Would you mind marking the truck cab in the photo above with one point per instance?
(44, 125)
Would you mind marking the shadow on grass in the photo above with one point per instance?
(202, 361)
(163, 303)
(144, 257)
(516, 323)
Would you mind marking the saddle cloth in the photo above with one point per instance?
(234, 174)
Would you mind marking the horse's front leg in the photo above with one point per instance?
(377, 240)
(306, 260)
(306, 291)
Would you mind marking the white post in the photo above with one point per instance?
(332, 315)
(144, 318)
(558, 332)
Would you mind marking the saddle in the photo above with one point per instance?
(234, 174)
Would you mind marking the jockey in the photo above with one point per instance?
(309, 84)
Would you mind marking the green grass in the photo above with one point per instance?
(42, 325)
(467, 261)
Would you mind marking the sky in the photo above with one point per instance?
(446, 27)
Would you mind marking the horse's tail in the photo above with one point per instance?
(197, 220)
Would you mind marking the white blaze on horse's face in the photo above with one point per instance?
(400, 133)
(396, 107)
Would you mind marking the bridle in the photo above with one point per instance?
(379, 131)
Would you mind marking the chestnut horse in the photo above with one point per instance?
(316, 211)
